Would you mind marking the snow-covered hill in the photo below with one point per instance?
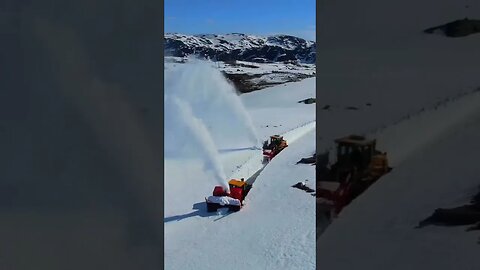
(242, 47)
(250, 76)
(422, 107)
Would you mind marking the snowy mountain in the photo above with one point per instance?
(235, 46)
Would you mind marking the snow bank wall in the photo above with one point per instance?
(405, 138)
(297, 132)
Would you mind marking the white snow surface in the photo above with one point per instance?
(276, 110)
(223, 200)
(425, 115)
(276, 227)
(384, 217)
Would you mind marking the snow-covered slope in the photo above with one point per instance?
(441, 172)
(381, 57)
(276, 110)
(251, 76)
(251, 68)
(407, 87)
(274, 230)
(276, 227)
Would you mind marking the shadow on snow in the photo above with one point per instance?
(201, 211)
(238, 149)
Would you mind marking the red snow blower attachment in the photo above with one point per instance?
(233, 199)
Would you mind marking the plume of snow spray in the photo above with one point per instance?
(187, 136)
(215, 101)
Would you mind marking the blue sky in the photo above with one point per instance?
(260, 17)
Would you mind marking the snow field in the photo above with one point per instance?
(276, 227)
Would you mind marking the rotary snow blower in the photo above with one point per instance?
(359, 164)
(233, 199)
(272, 148)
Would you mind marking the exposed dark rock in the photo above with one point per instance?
(246, 65)
(308, 101)
(243, 83)
(476, 199)
(352, 108)
(308, 160)
(458, 28)
(462, 215)
(302, 186)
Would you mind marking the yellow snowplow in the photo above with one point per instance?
(272, 148)
(359, 164)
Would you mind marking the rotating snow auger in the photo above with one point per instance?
(359, 164)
